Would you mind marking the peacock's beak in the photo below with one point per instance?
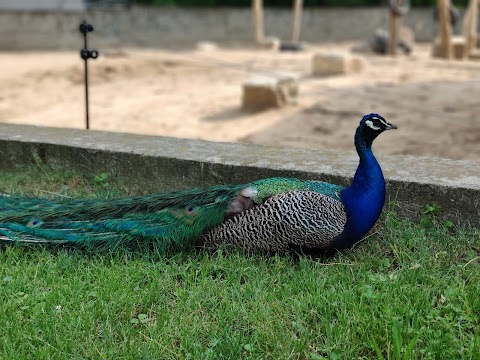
(390, 126)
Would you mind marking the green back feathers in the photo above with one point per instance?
(331, 190)
(274, 186)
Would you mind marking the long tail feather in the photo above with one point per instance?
(170, 220)
(13, 208)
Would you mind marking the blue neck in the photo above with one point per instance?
(365, 197)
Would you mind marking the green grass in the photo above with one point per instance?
(410, 291)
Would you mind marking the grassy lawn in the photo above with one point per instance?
(410, 291)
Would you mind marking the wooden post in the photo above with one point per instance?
(474, 27)
(297, 20)
(470, 27)
(446, 46)
(257, 10)
(467, 29)
(394, 29)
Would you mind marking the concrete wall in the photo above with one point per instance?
(173, 27)
(42, 5)
(160, 163)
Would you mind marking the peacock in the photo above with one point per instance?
(277, 215)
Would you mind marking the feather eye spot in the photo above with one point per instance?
(191, 210)
(34, 223)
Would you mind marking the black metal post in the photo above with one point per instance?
(86, 54)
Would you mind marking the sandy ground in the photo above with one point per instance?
(197, 94)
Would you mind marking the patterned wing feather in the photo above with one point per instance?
(300, 218)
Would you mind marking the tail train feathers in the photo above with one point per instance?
(171, 220)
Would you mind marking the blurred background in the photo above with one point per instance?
(282, 73)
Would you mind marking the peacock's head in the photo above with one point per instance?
(373, 125)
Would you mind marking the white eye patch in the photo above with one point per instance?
(369, 123)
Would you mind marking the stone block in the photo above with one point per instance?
(206, 46)
(269, 89)
(328, 64)
(459, 45)
(270, 42)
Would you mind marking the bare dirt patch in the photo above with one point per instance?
(194, 94)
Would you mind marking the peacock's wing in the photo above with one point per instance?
(257, 192)
(295, 219)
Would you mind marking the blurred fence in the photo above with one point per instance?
(136, 26)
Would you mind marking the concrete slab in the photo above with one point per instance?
(162, 163)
